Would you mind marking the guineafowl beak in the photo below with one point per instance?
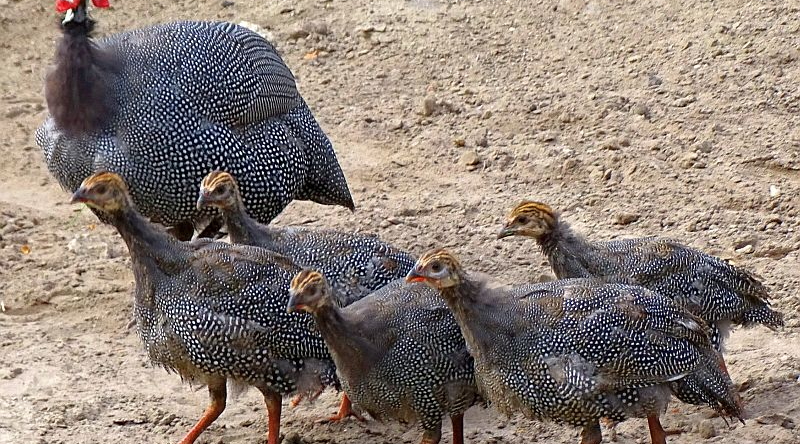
(413, 276)
(506, 232)
(79, 196)
(202, 200)
(292, 306)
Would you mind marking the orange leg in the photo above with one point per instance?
(273, 401)
(722, 365)
(591, 434)
(657, 433)
(345, 410)
(458, 429)
(218, 393)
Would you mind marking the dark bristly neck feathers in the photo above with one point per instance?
(148, 243)
(353, 353)
(564, 249)
(242, 228)
(79, 90)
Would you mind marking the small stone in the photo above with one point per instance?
(706, 429)
(469, 158)
(298, 34)
(747, 249)
(625, 218)
(688, 160)
(459, 142)
(774, 191)
(227, 3)
(653, 80)
(640, 109)
(684, 101)
(547, 136)
(292, 438)
(10, 373)
(429, 106)
(479, 138)
(395, 125)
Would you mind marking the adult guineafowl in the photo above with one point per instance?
(164, 105)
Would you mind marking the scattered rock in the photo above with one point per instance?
(298, 34)
(429, 106)
(479, 138)
(469, 158)
(292, 438)
(10, 373)
(688, 160)
(395, 125)
(626, 218)
(704, 147)
(459, 142)
(774, 191)
(777, 419)
(547, 136)
(706, 429)
(747, 249)
(684, 101)
(640, 109)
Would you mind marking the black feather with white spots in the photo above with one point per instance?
(192, 97)
(577, 350)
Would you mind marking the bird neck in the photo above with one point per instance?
(350, 346)
(149, 245)
(565, 250)
(243, 229)
(79, 90)
(480, 314)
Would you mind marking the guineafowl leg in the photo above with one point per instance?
(218, 392)
(657, 433)
(591, 434)
(345, 410)
(273, 401)
(458, 429)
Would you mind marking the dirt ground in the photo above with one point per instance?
(673, 118)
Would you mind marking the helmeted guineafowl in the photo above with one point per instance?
(707, 286)
(214, 312)
(164, 105)
(575, 350)
(355, 264)
(398, 352)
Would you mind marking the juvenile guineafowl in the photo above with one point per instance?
(575, 350)
(214, 312)
(355, 264)
(163, 105)
(398, 352)
(707, 286)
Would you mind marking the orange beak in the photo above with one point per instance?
(413, 276)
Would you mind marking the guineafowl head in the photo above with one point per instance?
(219, 190)
(76, 9)
(437, 268)
(309, 291)
(530, 219)
(104, 191)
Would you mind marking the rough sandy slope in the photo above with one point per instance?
(672, 118)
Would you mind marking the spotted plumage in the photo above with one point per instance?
(213, 311)
(355, 264)
(707, 286)
(398, 351)
(575, 350)
(185, 98)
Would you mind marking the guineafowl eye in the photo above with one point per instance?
(220, 190)
(100, 189)
(437, 267)
(523, 220)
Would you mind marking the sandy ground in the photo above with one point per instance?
(679, 119)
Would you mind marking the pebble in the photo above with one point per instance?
(292, 438)
(774, 191)
(706, 429)
(626, 218)
(684, 101)
(428, 107)
(688, 160)
(747, 249)
(640, 109)
(298, 34)
(480, 138)
(469, 158)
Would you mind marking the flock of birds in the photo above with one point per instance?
(139, 119)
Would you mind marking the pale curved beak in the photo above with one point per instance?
(79, 196)
(506, 232)
(202, 200)
(414, 276)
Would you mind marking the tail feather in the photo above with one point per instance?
(325, 181)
